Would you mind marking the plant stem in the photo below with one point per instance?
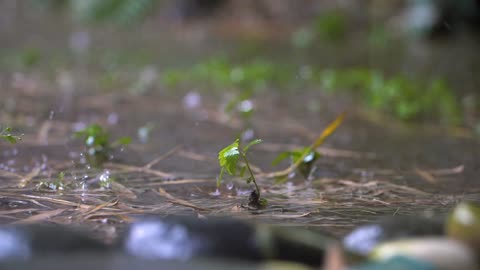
(251, 173)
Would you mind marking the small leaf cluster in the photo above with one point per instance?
(57, 184)
(97, 143)
(6, 135)
(306, 165)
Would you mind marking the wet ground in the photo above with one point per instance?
(372, 166)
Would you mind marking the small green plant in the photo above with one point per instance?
(6, 135)
(306, 165)
(303, 159)
(233, 160)
(57, 184)
(97, 143)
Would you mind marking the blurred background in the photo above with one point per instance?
(413, 60)
(200, 72)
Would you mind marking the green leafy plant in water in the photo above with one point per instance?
(303, 159)
(98, 145)
(57, 184)
(233, 160)
(306, 165)
(6, 135)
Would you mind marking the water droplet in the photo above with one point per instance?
(230, 185)
(192, 100)
(112, 118)
(245, 106)
(215, 193)
(248, 135)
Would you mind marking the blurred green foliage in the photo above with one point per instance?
(399, 95)
(98, 147)
(331, 26)
(328, 27)
(405, 98)
(117, 11)
(220, 73)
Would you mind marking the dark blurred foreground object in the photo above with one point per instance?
(184, 238)
(171, 238)
(364, 239)
(24, 242)
(464, 224)
(94, 261)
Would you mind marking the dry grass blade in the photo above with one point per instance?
(318, 141)
(195, 156)
(289, 216)
(7, 173)
(448, 171)
(162, 192)
(129, 168)
(185, 181)
(123, 191)
(99, 207)
(162, 157)
(32, 198)
(426, 176)
(25, 180)
(16, 211)
(40, 217)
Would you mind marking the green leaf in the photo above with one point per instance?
(123, 141)
(281, 157)
(10, 138)
(249, 180)
(242, 171)
(228, 157)
(250, 144)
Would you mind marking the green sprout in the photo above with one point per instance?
(303, 159)
(97, 143)
(233, 160)
(306, 165)
(6, 134)
(56, 184)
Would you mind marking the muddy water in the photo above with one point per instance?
(367, 170)
(373, 166)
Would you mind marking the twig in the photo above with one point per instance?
(174, 200)
(162, 157)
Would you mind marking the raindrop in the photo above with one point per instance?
(80, 42)
(230, 186)
(245, 106)
(112, 119)
(215, 193)
(192, 100)
(248, 135)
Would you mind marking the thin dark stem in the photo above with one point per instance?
(251, 173)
